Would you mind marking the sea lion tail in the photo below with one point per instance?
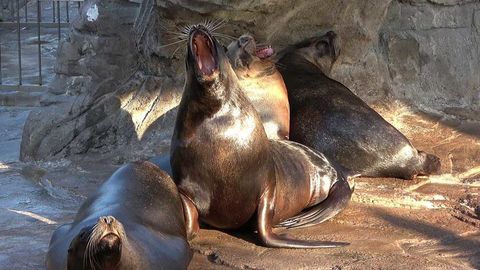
(431, 164)
(337, 200)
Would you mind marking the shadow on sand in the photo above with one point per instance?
(445, 242)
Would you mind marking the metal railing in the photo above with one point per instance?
(17, 16)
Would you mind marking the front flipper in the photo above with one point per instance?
(270, 239)
(337, 200)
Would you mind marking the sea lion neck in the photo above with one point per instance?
(211, 92)
(294, 62)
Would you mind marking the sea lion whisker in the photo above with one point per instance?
(175, 33)
(173, 43)
(92, 245)
(175, 51)
(208, 24)
(183, 30)
(177, 38)
(219, 24)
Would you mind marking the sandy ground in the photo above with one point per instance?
(427, 223)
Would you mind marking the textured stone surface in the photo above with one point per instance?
(122, 73)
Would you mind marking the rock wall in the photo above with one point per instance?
(119, 74)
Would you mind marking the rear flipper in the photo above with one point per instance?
(337, 200)
(270, 239)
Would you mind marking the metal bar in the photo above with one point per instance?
(79, 8)
(39, 16)
(12, 9)
(19, 45)
(3, 8)
(13, 25)
(68, 15)
(25, 87)
(1, 62)
(26, 14)
(58, 19)
(53, 10)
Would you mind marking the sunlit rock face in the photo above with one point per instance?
(124, 82)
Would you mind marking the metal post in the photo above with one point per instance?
(3, 8)
(26, 14)
(19, 45)
(1, 62)
(79, 7)
(68, 15)
(39, 16)
(53, 10)
(12, 8)
(58, 19)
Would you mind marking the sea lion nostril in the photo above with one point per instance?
(110, 220)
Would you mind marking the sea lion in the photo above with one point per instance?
(326, 116)
(223, 162)
(135, 220)
(262, 83)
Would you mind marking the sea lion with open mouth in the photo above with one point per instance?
(223, 162)
(326, 116)
(262, 83)
(135, 220)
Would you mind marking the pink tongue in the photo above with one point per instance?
(265, 52)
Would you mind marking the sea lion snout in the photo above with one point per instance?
(109, 220)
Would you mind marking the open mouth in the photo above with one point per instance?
(264, 52)
(202, 48)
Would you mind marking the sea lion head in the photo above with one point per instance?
(321, 50)
(248, 59)
(206, 61)
(97, 246)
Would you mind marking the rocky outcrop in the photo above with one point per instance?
(123, 70)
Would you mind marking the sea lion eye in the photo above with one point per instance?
(322, 46)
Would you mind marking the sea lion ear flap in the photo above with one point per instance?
(334, 42)
(329, 45)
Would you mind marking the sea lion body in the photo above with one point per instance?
(262, 84)
(140, 212)
(328, 117)
(222, 160)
